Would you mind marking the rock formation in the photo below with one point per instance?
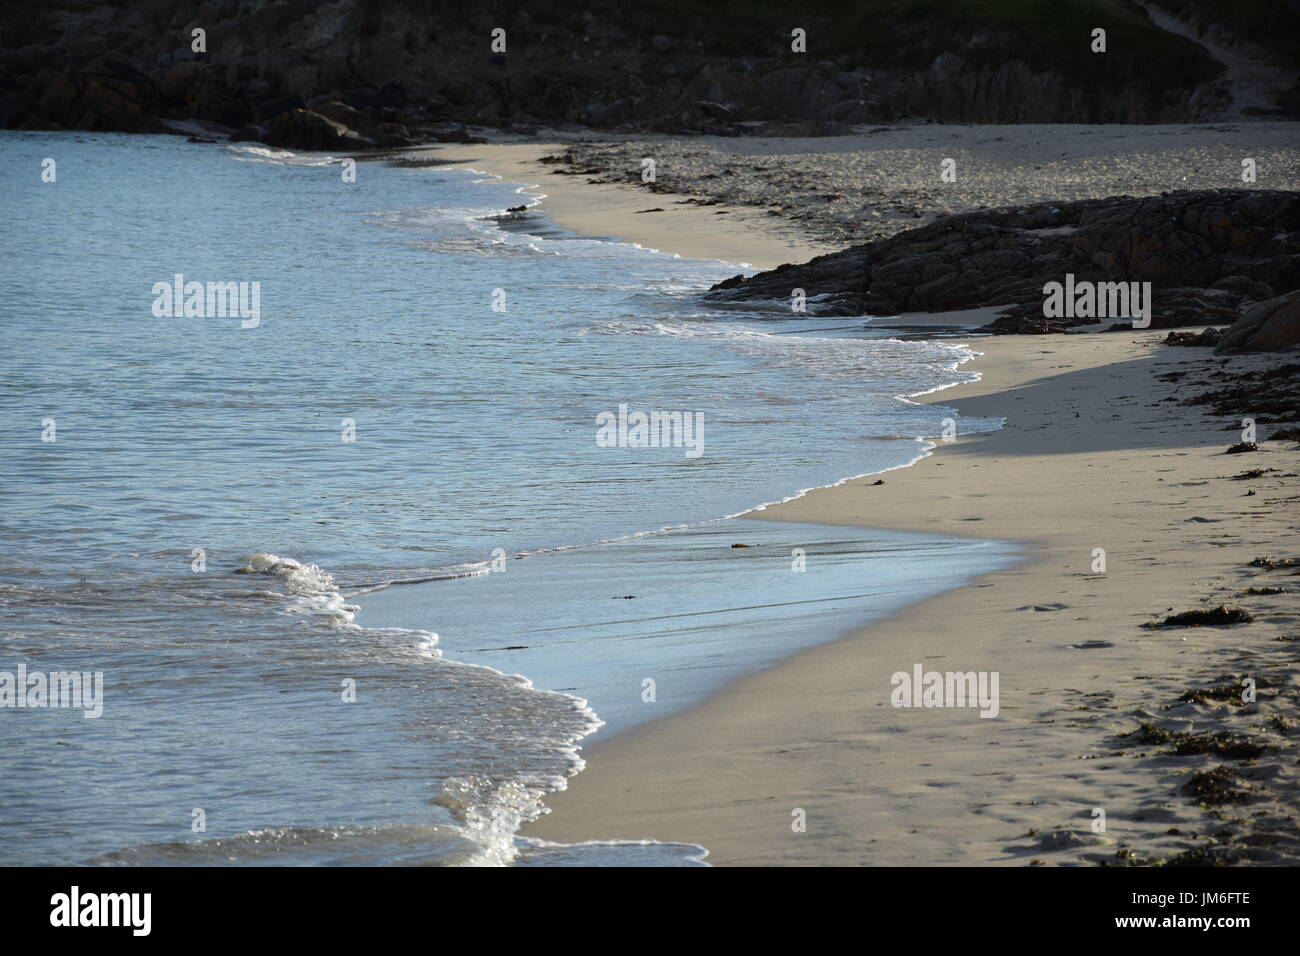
(1270, 326)
(1206, 254)
(422, 70)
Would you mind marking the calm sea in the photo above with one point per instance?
(355, 566)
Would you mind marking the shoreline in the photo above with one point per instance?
(825, 194)
(677, 228)
(887, 786)
(727, 774)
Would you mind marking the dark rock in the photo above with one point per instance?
(266, 108)
(876, 305)
(1239, 284)
(303, 129)
(457, 136)
(805, 128)
(1202, 251)
(394, 136)
(614, 64)
(180, 81)
(1267, 327)
(112, 98)
(943, 292)
(1260, 292)
(341, 113)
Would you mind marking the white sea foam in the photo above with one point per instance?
(311, 589)
(489, 811)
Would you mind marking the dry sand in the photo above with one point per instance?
(1093, 456)
(747, 237)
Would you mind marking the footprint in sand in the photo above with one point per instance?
(1043, 607)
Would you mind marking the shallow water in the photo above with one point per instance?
(475, 438)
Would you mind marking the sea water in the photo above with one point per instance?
(359, 577)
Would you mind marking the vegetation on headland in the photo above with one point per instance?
(911, 34)
(672, 66)
(1271, 24)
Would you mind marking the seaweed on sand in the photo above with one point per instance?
(1202, 618)
(1215, 787)
(1220, 743)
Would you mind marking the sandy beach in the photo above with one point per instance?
(652, 436)
(748, 237)
(769, 200)
(1145, 480)
(1098, 453)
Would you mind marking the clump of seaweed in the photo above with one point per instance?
(1214, 617)
(1253, 473)
(1240, 447)
(1264, 591)
(1224, 693)
(1205, 856)
(1270, 392)
(1149, 733)
(1202, 695)
(1124, 856)
(1215, 787)
(1205, 338)
(1272, 564)
(1219, 743)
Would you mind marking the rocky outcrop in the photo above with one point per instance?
(303, 129)
(424, 70)
(109, 95)
(1267, 327)
(1205, 253)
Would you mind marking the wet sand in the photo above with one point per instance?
(1095, 455)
